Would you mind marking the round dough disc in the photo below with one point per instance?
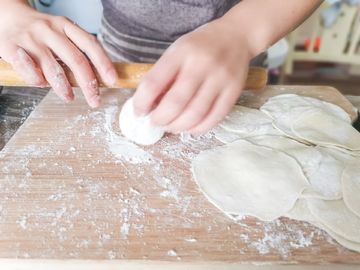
(242, 178)
(282, 104)
(341, 240)
(278, 105)
(244, 120)
(225, 136)
(308, 157)
(301, 211)
(138, 129)
(330, 109)
(350, 181)
(325, 182)
(283, 123)
(317, 127)
(337, 217)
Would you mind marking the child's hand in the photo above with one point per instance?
(31, 40)
(198, 79)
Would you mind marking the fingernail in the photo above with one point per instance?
(95, 101)
(111, 77)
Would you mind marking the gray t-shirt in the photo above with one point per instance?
(141, 30)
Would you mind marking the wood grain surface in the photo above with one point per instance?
(64, 194)
(130, 75)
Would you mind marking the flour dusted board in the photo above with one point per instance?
(66, 192)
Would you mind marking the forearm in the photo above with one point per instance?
(265, 22)
(6, 3)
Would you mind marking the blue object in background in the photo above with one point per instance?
(86, 13)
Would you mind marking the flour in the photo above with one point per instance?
(120, 146)
(106, 236)
(172, 253)
(125, 228)
(112, 255)
(190, 240)
(23, 223)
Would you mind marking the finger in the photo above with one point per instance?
(154, 83)
(218, 111)
(54, 74)
(79, 65)
(94, 50)
(25, 66)
(197, 108)
(176, 99)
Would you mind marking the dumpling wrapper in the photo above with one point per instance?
(350, 182)
(245, 179)
(278, 105)
(337, 217)
(325, 182)
(282, 104)
(244, 120)
(283, 123)
(319, 128)
(330, 109)
(301, 211)
(308, 157)
(226, 136)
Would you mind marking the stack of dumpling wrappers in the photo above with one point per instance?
(296, 157)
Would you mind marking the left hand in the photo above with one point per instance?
(198, 79)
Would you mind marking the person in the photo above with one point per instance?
(202, 51)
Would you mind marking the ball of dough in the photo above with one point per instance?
(138, 129)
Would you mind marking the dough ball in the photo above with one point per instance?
(242, 178)
(138, 129)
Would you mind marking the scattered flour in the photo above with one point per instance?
(106, 236)
(120, 146)
(112, 255)
(190, 240)
(172, 252)
(125, 228)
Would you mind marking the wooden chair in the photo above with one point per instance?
(339, 43)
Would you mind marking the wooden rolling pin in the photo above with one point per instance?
(130, 75)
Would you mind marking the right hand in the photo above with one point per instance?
(31, 41)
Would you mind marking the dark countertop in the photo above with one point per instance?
(16, 104)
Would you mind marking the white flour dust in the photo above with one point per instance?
(120, 146)
(166, 195)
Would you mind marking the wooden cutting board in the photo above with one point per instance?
(64, 194)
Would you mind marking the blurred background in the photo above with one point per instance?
(324, 50)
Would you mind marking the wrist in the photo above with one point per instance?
(6, 3)
(9, 8)
(240, 36)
